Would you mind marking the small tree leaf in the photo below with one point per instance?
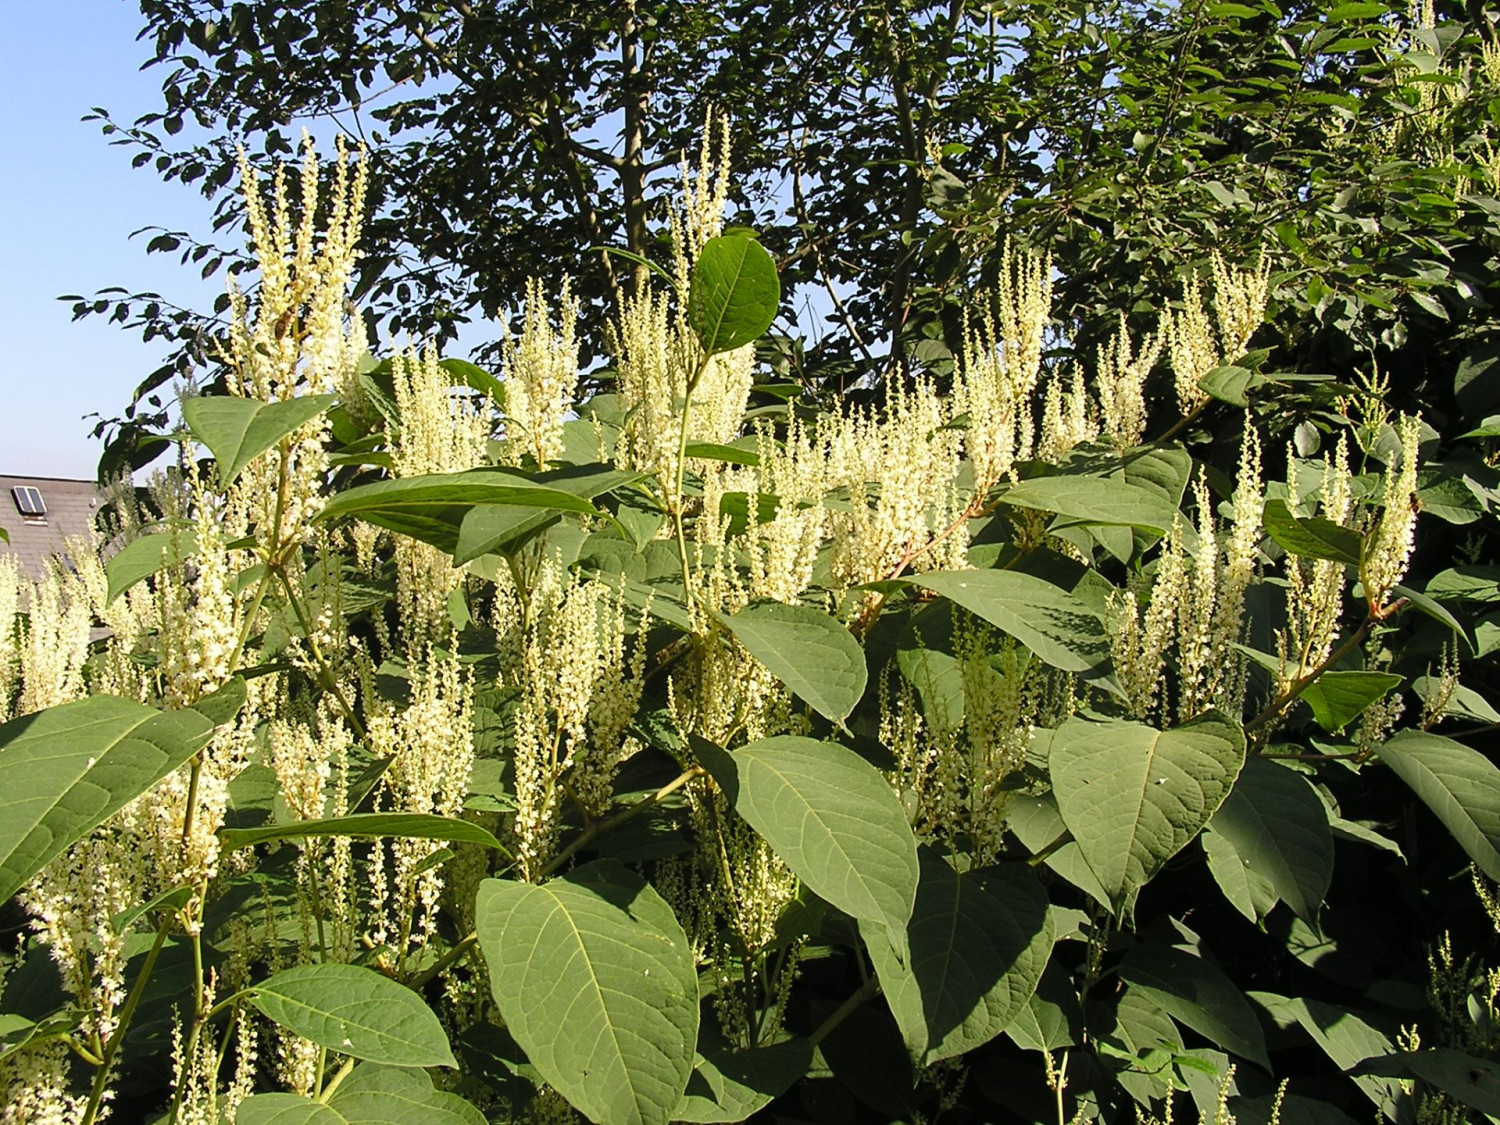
(832, 818)
(1134, 796)
(388, 1095)
(809, 651)
(1277, 826)
(1191, 990)
(412, 826)
(1311, 537)
(1457, 783)
(238, 430)
(66, 770)
(143, 557)
(1060, 629)
(734, 293)
(357, 1012)
(596, 980)
(1338, 698)
(979, 942)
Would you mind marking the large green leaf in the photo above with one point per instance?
(979, 942)
(432, 508)
(424, 826)
(1134, 796)
(388, 1095)
(1338, 698)
(499, 527)
(355, 1011)
(143, 557)
(1060, 629)
(238, 430)
(1457, 783)
(1094, 500)
(1466, 1078)
(1345, 1037)
(734, 293)
(832, 818)
(65, 770)
(1052, 1017)
(596, 980)
(285, 1109)
(1312, 537)
(806, 649)
(1277, 826)
(729, 1085)
(1197, 993)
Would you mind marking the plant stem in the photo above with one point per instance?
(865, 992)
(635, 810)
(458, 951)
(333, 1083)
(1302, 683)
(325, 671)
(112, 1048)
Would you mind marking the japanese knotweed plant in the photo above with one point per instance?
(454, 749)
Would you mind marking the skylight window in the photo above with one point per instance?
(29, 502)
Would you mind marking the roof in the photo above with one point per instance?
(70, 506)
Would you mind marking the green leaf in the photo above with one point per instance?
(487, 528)
(1345, 1037)
(357, 1012)
(1094, 500)
(1338, 698)
(238, 430)
(1277, 826)
(806, 649)
(832, 818)
(1466, 1078)
(409, 826)
(979, 942)
(285, 1109)
(1247, 890)
(729, 1085)
(461, 371)
(66, 770)
(1313, 537)
(1134, 796)
(1036, 822)
(1459, 784)
(596, 980)
(1052, 1017)
(712, 451)
(1232, 384)
(1193, 991)
(1357, 10)
(1055, 625)
(432, 508)
(143, 557)
(388, 1095)
(734, 293)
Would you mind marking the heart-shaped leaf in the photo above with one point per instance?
(809, 651)
(1134, 796)
(596, 980)
(734, 293)
(357, 1012)
(238, 430)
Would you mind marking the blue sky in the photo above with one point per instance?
(68, 203)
